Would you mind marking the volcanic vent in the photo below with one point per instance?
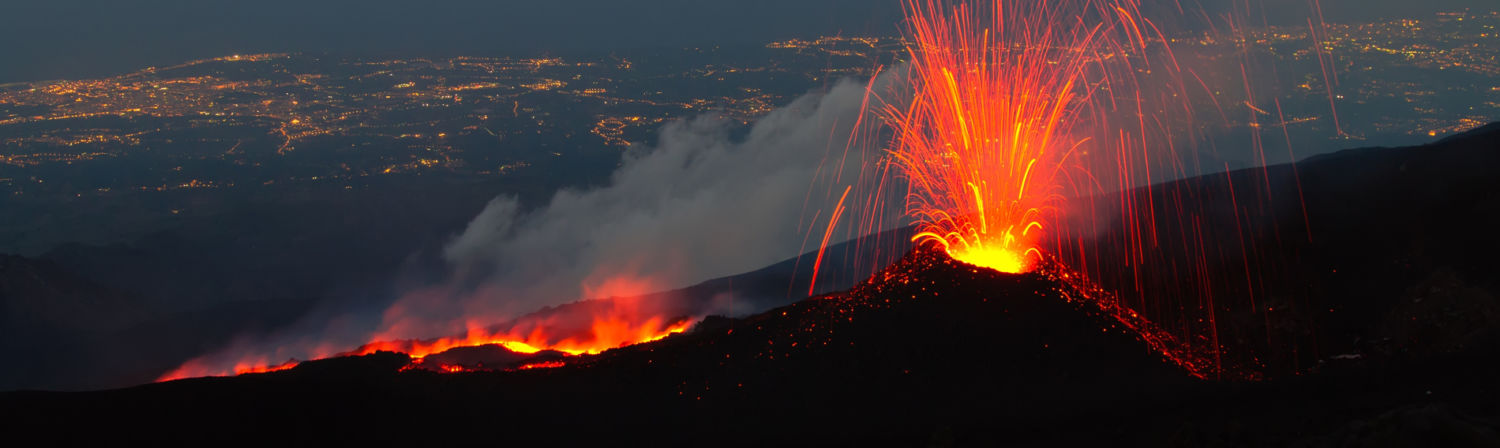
(946, 311)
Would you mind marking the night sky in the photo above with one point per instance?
(50, 39)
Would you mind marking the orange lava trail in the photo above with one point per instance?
(838, 212)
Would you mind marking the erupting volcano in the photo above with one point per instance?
(986, 141)
(1033, 136)
(1021, 108)
(1014, 121)
(985, 223)
(1027, 137)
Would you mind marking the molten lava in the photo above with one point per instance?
(542, 365)
(605, 333)
(585, 328)
(986, 141)
(1003, 260)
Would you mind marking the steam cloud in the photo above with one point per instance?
(698, 205)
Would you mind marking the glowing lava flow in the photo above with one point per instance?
(986, 143)
(604, 334)
(587, 329)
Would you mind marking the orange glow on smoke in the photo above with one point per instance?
(607, 332)
(197, 368)
(584, 329)
(248, 369)
(986, 141)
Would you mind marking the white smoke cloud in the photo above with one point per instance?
(697, 205)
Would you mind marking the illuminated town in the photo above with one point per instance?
(248, 120)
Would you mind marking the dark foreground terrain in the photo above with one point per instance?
(931, 352)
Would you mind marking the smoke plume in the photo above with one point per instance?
(699, 204)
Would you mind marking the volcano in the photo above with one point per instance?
(928, 342)
(933, 351)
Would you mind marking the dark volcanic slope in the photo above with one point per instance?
(46, 309)
(61, 330)
(930, 351)
(933, 347)
(1395, 257)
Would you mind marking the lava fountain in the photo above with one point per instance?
(1034, 141)
(1003, 92)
